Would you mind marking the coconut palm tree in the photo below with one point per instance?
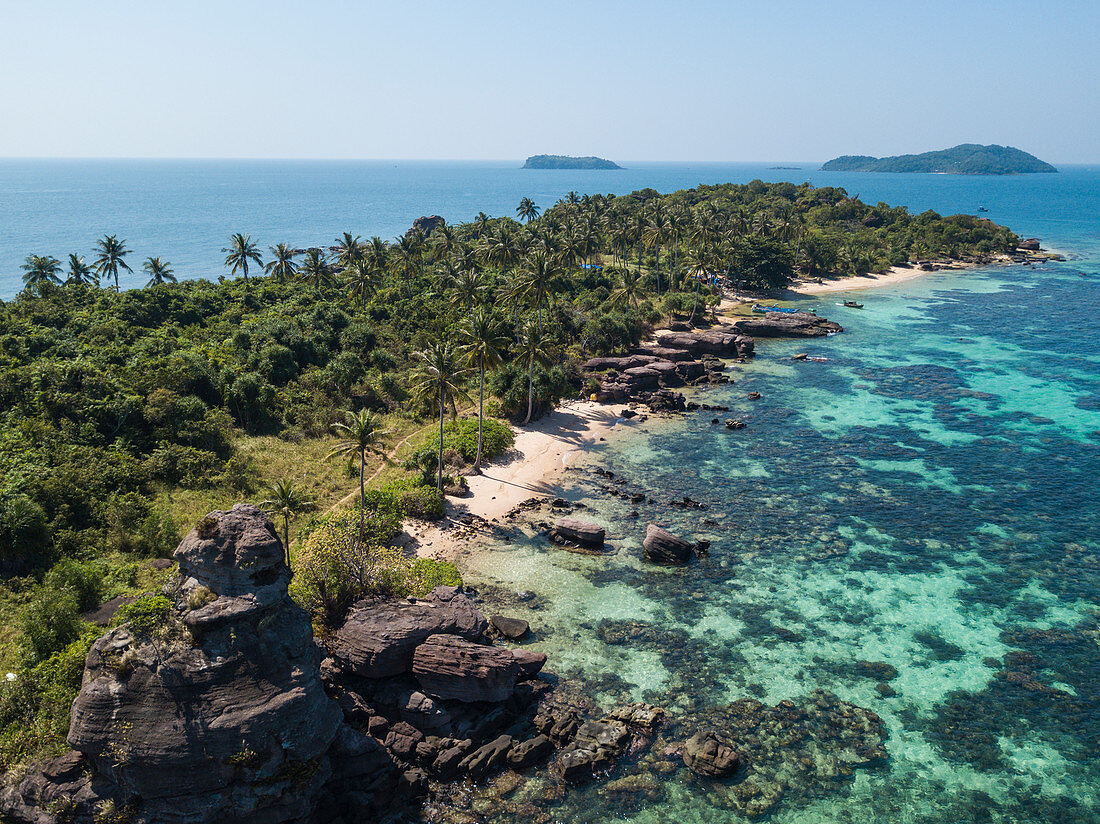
(349, 250)
(80, 272)
(408, 259)
(483, 346)
(40, 270)
(112, 257)
(469, 287)
(282, 263)
(439, 381)
(361, 433)
(159, 271)
(629, 288)
(361, 279)
(287, 502)
(377, 253)
(538, 271)
(316, 269)
(240, 251)
(527, 210)
(533, 348)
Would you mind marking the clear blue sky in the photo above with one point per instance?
(760, 80)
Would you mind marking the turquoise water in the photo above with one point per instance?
(926, 499)
(184, 210)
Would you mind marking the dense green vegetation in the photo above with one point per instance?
(567, 162)
(964, 159)
(121, 410)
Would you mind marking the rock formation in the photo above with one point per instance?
(426, 225)
(662, 547)
(574, 531)
(216, 711)
(788, 325)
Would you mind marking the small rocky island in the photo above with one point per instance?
(964, 159)
(567, 162)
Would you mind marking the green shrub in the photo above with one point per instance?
(49, 623)
(461, 437)
(334, 567)
(84, 580)
(424, 502)
(148, 616)
(24, 534)
(425, 574)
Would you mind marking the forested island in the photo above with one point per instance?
(567, 162)
(964, 159)
(319, 383)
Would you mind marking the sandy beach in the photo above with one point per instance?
(533, 468)
(897, 274)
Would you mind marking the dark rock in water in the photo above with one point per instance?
(447, 762)
(707, 753)
(754, 396)
(735, 423)
(511, 628)
(486, 757)
(799, 356)
(532, 751)
(663, 400)
(578, 532)
(402, 740)
(453, 668)
(379, 636)
(788, 325)
(662, 547)
(530, 662)
(188, 720)
(1029, 245)
(426, 225)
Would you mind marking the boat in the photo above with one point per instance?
(982, 209)
(851, 304)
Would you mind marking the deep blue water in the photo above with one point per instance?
(184, 210)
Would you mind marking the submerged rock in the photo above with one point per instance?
(707, 753)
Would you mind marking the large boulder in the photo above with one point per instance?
(425, 225)
(709, 754)
(788, 325)
(579, 532)
(379, 636)
(723, 341)
(452, 668)
(662, 547)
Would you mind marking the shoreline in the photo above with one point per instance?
(533, 468)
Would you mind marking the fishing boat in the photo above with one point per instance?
(851, 304)
(982, 209)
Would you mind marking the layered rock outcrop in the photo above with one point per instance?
(788, 325)
(214, 710)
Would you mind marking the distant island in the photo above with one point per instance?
(964, 159)
(566, 162)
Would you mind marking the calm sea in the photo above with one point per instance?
(185, 210)
(912, 525)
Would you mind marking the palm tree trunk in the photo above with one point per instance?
(362, 494)
(439, 478)
(530, 390)
(480, 415)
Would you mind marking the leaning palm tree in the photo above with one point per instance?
(316, 269)
(282, 263)
(483, 347)
(241, 250)
(439, 380)
(287, 501)
(159, 271)
(533, 349)
(80, 273)
(362, 433)
(527, 210)
(629, 288)
(40, 270)
(112, 257)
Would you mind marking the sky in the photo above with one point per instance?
(721, 81)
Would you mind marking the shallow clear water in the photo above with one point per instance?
(926, 499)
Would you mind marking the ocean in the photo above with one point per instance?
(185, 210)
(912, 526)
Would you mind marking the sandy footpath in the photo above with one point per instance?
(533, 468)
